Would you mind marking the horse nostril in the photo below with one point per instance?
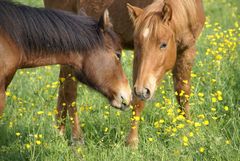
(146, 93)
(135, 91)
(123, 101)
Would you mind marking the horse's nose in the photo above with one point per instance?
(146, 93)
(143, 94)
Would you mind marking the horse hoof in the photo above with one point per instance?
(77, 141)
(132, 143)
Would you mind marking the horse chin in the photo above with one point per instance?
(118, 104)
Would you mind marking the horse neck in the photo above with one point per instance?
(37, 60)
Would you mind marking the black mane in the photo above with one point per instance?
(39, 30)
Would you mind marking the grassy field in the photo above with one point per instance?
(28, 130)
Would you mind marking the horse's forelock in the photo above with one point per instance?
(151, 17)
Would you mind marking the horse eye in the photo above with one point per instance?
(163, 45)
(118, 54)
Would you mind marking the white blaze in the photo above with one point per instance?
(146, 32)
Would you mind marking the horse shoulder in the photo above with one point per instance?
(10, 54)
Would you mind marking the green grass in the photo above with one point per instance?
(31, 104)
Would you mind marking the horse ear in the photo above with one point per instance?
(134, 12)
(104, 21)
(166, 14)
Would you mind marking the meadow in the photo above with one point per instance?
(28, 128)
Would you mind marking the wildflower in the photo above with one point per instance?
(106, 129)
(228, 142)
(226, 108)
(79, 150)
(200, 94)
(213, 109)
(161, 121)
(193, 75)
(118, 113)
(220, 98)
(190, 122)
(191, 134)
(157, 104)
(18, 134)
(150, 139)
(185, 81)
(174, 129)
(40, 112)
(206, 122)
(73, 104)
(214, 81)
(201, 149)
(8, 93)
(214, 100)
(197, 124)
(55, 127)
(181, 94)
(201, 116)
(74, 79)
(10, 124)
(136, 118)
(180, 126)
(38, 142)
(28, 146)
(185, 140)
(214, 118)
(156, 124)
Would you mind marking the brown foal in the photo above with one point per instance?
(164, 39)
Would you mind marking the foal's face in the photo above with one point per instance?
(154, 56)
(103, 71)
(155, 50)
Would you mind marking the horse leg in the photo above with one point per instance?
(132, 139)
(2, 97)
(67, 102)
(77, 135)
(182, 77)
(4, 82)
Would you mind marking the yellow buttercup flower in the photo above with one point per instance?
(38, 142)
(228, 142)
(226, 108)
(214, 99)
(40, 112)
(206, 122)
(28, 146)
(197, 124)
(150, 139)
(201, 149)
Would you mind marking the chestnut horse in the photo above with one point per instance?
(32, 37)
(165, 37)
